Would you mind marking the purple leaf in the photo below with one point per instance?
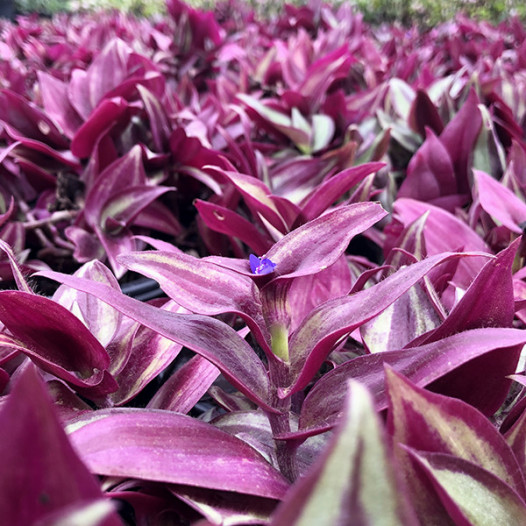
(410, 245)
(488, 302)
(186, 386)
(157, 116)
(48, 333)
(516, 435)
(29, 120)
(279, 121)
(307, 292)
(123, 174)
(254, 428)
(102, 320)
(430, 174)
(256, 195)
(334, 188)
(168, 447)
(411, 315)
(311, 343)
(322, 72)
(424, 114)
(499, 202)
(20, 281)
(212, 339)
(439, 424)
(350, 478)
(318, 244)
(93, 513)
(225, 221)
(46, 475)
(466, 490)
(123, 207)
(4, 380)
(107, 114)
(150, 354)
(157, 216)
(28, 151)
(444, 232)
(222, 507)
(78, 93)
(422, 365)
(201, 286)
(459, 138)
(107, 70)
(57, 105)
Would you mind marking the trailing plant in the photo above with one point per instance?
(334, 215)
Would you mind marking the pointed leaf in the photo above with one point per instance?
(46, 475)
(19, 278)
(126, 172)
(123, 207)
(411, 315)
(225, 221)
(423, 113)
(422, 365)
(257, 196)
(57, 105)
(353, 481)
(459, 138)
(107, 114)
(221, 507)
(29, 120)
(324, 326)
(208, 337)
(102, 320)
(157, 116)
(150, 354)
(439, 424)
(55, 339)
(500, 202)
(201, 286)
(186, 386)
(329, 191)
(316, 245)
(168, 447)
(444, 232)
(488, 302)
(430, 173)
(279, 121)
(472, 495)
(307, 292)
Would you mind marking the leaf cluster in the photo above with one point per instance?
(334, 216)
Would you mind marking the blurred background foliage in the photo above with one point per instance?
(425, 13)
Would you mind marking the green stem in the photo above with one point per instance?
(279, 341)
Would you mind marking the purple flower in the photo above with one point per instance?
(261, 266)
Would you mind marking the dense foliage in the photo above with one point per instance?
(423, 12)
(335, 216)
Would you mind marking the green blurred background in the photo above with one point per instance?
(422, 12)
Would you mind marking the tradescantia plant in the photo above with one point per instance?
(335, 217)
(273, 447)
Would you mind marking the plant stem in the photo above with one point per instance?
(56, 217)
(280, 422)
(285, 450)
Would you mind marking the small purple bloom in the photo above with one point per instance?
(261, 266)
